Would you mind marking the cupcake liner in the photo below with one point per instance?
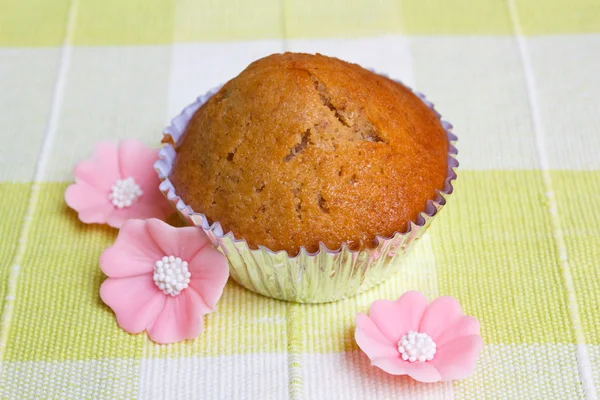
(323, 276)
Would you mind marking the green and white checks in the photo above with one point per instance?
(518, 245)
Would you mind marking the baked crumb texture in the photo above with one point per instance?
(300, 149)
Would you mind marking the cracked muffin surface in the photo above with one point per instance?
(300, 149)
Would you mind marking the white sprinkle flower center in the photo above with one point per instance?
(171, 275)
(124, 193)
(415, 346)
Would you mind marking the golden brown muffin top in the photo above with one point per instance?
(300, 149)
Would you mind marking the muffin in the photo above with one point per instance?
(308, 154)
(300, 149)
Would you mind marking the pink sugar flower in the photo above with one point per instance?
(429, 342)
(117, 184)
(162, 279)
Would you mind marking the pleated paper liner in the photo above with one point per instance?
(324, 276)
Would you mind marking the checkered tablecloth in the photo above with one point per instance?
(518, 244)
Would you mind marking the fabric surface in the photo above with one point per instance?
(518, 243)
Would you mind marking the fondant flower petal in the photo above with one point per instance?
(393, 366)
(440, 314)
(90, 203)
(428, 343)
(153, 198)
(165, 236)
(102, 169)
(423, 372)
(463, 326)
(192, 240)
(95, 214)
(80, 196)
(137, 160)
(124, 175)
(136, 301)
(370, 339)
(184, 242)
(396, 318)
(179, 319)
(456, 359)
(187, 291)
(133, 253)
(139, 210)
(210, 271)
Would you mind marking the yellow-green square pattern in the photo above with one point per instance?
(214, 20)
(339, 18)
(455, 17)
(496, 253)
(559, 16)
(329, 327)
(139, 22)
(12, 213)
(131, 22)
(244, 323)
(578, 196)
(58, 314)
(33, 22)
